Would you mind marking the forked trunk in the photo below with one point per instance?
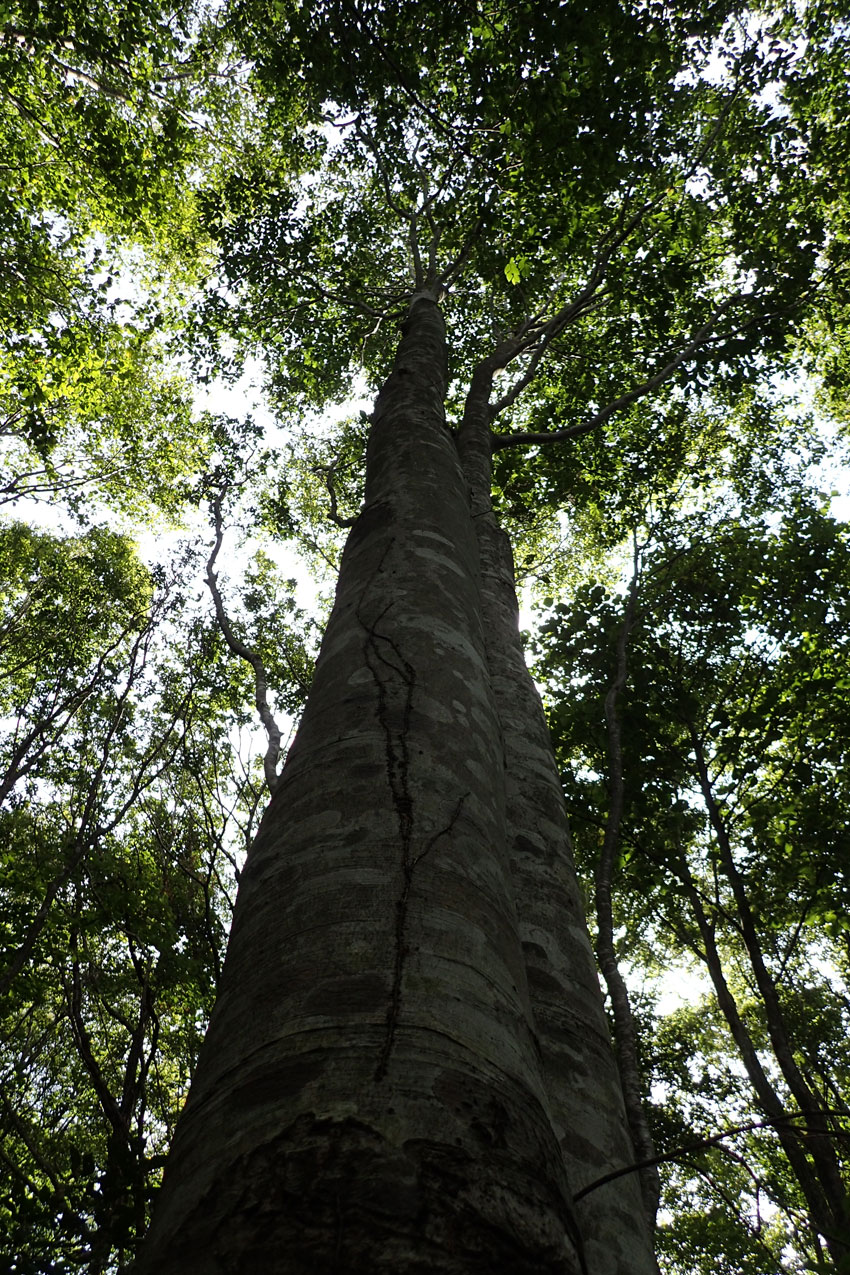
(407, 1068)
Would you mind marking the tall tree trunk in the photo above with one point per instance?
(583, 1082)
(828, 1202)
(767, 1096)
(625, 1028)
(375, 1092)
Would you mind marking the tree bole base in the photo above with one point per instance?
(328, 1195)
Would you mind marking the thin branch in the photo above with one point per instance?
(273, 732)
(74, 995)
(426, 209)
(400, 79)
(583, 304)
(625, 1031)
(454, 268)
(590, 297)
(537, 331)
(72, 73)
(806, 1174)
(501, 441)
(406, 214)
(716, 1139)
(417, 272)
(352, 303)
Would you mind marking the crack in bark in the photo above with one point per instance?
(409, 866)
(398, 772)
(453, 818)
(397, 753)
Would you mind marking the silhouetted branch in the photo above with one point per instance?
(244, 652)
(716, 1139)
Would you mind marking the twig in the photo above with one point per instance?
(716, 1139)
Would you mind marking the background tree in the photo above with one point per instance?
(126, 812)
(730, 846)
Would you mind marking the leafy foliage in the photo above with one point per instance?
(732, 849)
(637, 214)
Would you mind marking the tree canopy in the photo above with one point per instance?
(635, 217)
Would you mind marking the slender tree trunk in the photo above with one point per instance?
(819, 1143)
(374, 1092)
(625, 1028)
(767, 1096)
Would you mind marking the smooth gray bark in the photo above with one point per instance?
(583, 1080)
(394, 1079)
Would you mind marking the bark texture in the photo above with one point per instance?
(407, 1069)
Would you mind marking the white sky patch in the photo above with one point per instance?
(680, 987)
